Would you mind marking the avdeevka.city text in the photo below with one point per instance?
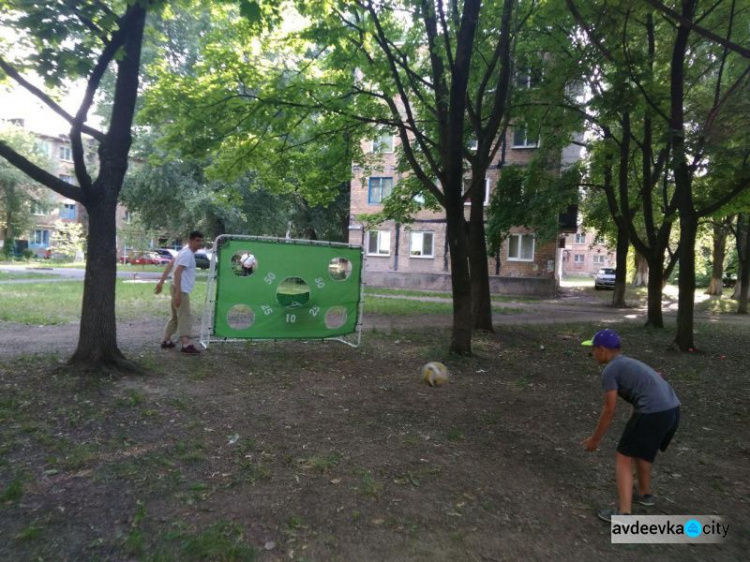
(668, 528)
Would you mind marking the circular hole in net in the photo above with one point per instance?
(335, 317)
(240, 317)
(293, 292)
(340, 269)
(243, 263)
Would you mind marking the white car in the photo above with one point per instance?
(605, 278)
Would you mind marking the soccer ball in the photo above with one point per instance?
(435, 373)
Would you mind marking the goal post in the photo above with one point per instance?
(263, 288)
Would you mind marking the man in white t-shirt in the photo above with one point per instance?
(248, 262)
(183, 281)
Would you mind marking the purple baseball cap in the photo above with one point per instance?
(604, 338)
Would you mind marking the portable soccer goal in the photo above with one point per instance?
(291, 290)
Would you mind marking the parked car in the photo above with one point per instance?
(167, 253)
(729, 281)
(605, 278)
(149, 258)
(203, 259)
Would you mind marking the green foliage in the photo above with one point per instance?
(531, 197)
(18, 193)
(68, 239)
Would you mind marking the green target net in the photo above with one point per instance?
(281, 289)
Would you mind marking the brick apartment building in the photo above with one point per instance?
(584, 254)
(416, 255)
(53, 207)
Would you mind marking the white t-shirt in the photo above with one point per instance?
(248, 261)
(185, 257)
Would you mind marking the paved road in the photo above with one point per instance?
(67, 273)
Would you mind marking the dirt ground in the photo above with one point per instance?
(316, 451)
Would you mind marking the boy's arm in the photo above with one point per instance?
(605, 419)
(177, 283)
(164, 276)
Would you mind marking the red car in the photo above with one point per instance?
(148, 258)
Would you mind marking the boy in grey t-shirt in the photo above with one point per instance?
(656, 416)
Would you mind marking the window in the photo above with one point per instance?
(383, 143)
(599, 259)
(66, 154)
(45, 148)
(127, 217)
(379, 243)
(380, 188)
(473, 144)
(581, 238)
(521, 247)
(38, 209)
(578, 258)
(40, 238)
(422, 245)
(68, 179)
(486, 191)
(522, 138)
(68, 211)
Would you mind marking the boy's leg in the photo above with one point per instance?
(624, 477)
(643, 467)
(171, 326)
(184, 320)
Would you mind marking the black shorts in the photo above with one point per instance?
(645, 434)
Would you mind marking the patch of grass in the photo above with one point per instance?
(36, 304)
(221, 541)
(13, 492)
(13, 275)
(370, 487)
(455, 434)
(29, 534)
(134, 542)
(320, 463)
(410, 307)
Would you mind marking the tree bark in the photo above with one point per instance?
(654, 315)
(97, 341)
(641, 271)
(743, 252)
(618, 298)
(683, 186)
(481, 302)
(716, 285)
(460, 279)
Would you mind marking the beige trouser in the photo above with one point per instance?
(181, 321)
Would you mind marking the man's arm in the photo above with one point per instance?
(164, 276)
(605, 419)
(177, 283)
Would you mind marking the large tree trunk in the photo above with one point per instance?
(654, 316)
(683, 186)
(481, 302)
(460, 280)
(97, 342)
(743, 251)
(641, 271)
(618, 298)
(716, 286)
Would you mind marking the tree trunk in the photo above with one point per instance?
(641, 271)
(683, 185)
(481, 302)
(654, 316)
(618, 298)
(743, 252)
(460, 279)
(686, 299)
(716, 286)
(97, 342)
